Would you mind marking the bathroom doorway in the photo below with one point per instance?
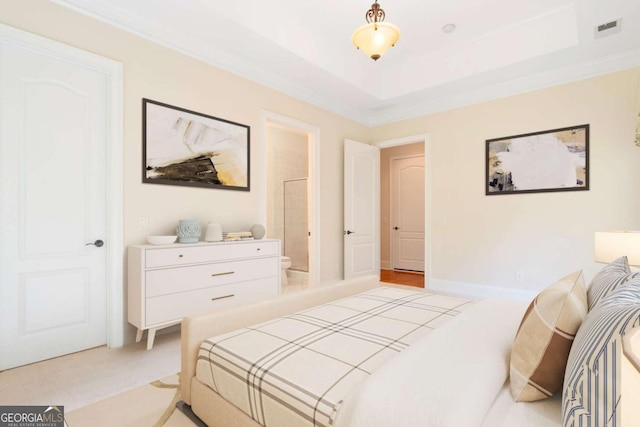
(291, 196)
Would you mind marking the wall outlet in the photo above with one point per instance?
(143, 222)
(519, 276)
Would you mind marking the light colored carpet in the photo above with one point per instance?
(82, 378)
(149, 405)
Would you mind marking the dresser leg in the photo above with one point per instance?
(139, 334)
(150, 337)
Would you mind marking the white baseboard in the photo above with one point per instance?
(476, 291)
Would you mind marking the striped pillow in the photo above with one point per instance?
(591, 395)
(542, 343)
(609, 278)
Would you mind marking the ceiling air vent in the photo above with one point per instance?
(609, 28)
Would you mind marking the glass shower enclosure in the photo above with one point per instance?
(296, 224)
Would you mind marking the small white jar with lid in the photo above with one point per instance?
(213, 232)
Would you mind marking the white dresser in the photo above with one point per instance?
(169, 282)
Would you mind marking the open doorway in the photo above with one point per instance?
(291, 201)
(403, 207)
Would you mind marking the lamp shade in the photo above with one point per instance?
(610, 245)
(375, 38)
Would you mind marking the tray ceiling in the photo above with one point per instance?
(303, 48)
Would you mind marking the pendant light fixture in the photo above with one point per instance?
(375, 37)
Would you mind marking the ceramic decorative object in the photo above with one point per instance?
(188, 231)
(161, 240)
(257, 231)
(213, 232)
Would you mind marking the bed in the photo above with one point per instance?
(457, 360)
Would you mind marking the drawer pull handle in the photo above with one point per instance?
(222, 274)
(226, 296)
(258, 249)
(180, 256)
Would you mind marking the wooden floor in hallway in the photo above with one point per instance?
(402, 278)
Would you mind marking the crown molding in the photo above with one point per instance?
(206, 53)
(425, 105)
(385, 111)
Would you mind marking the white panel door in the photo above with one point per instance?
(407, 213)
(361, 209)
(53, 294)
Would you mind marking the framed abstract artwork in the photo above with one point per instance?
(183, 147)
(550, 160)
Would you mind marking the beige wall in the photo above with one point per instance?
(476, 239)
(484, 240)
(156, 72)
(385, 195)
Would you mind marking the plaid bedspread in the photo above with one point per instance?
(296, 370)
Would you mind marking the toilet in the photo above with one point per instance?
(285, 263)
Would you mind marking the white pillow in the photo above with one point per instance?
(449, 378)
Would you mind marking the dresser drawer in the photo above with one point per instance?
(168, 308)
(182, 279)
(165, 257)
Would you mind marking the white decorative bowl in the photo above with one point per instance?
(161, 240)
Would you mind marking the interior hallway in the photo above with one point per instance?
(402, 278)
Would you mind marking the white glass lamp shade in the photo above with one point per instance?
(610, 245)
(375, 38)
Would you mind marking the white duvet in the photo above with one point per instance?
(450, 378)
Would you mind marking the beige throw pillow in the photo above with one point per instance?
(543, 341)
